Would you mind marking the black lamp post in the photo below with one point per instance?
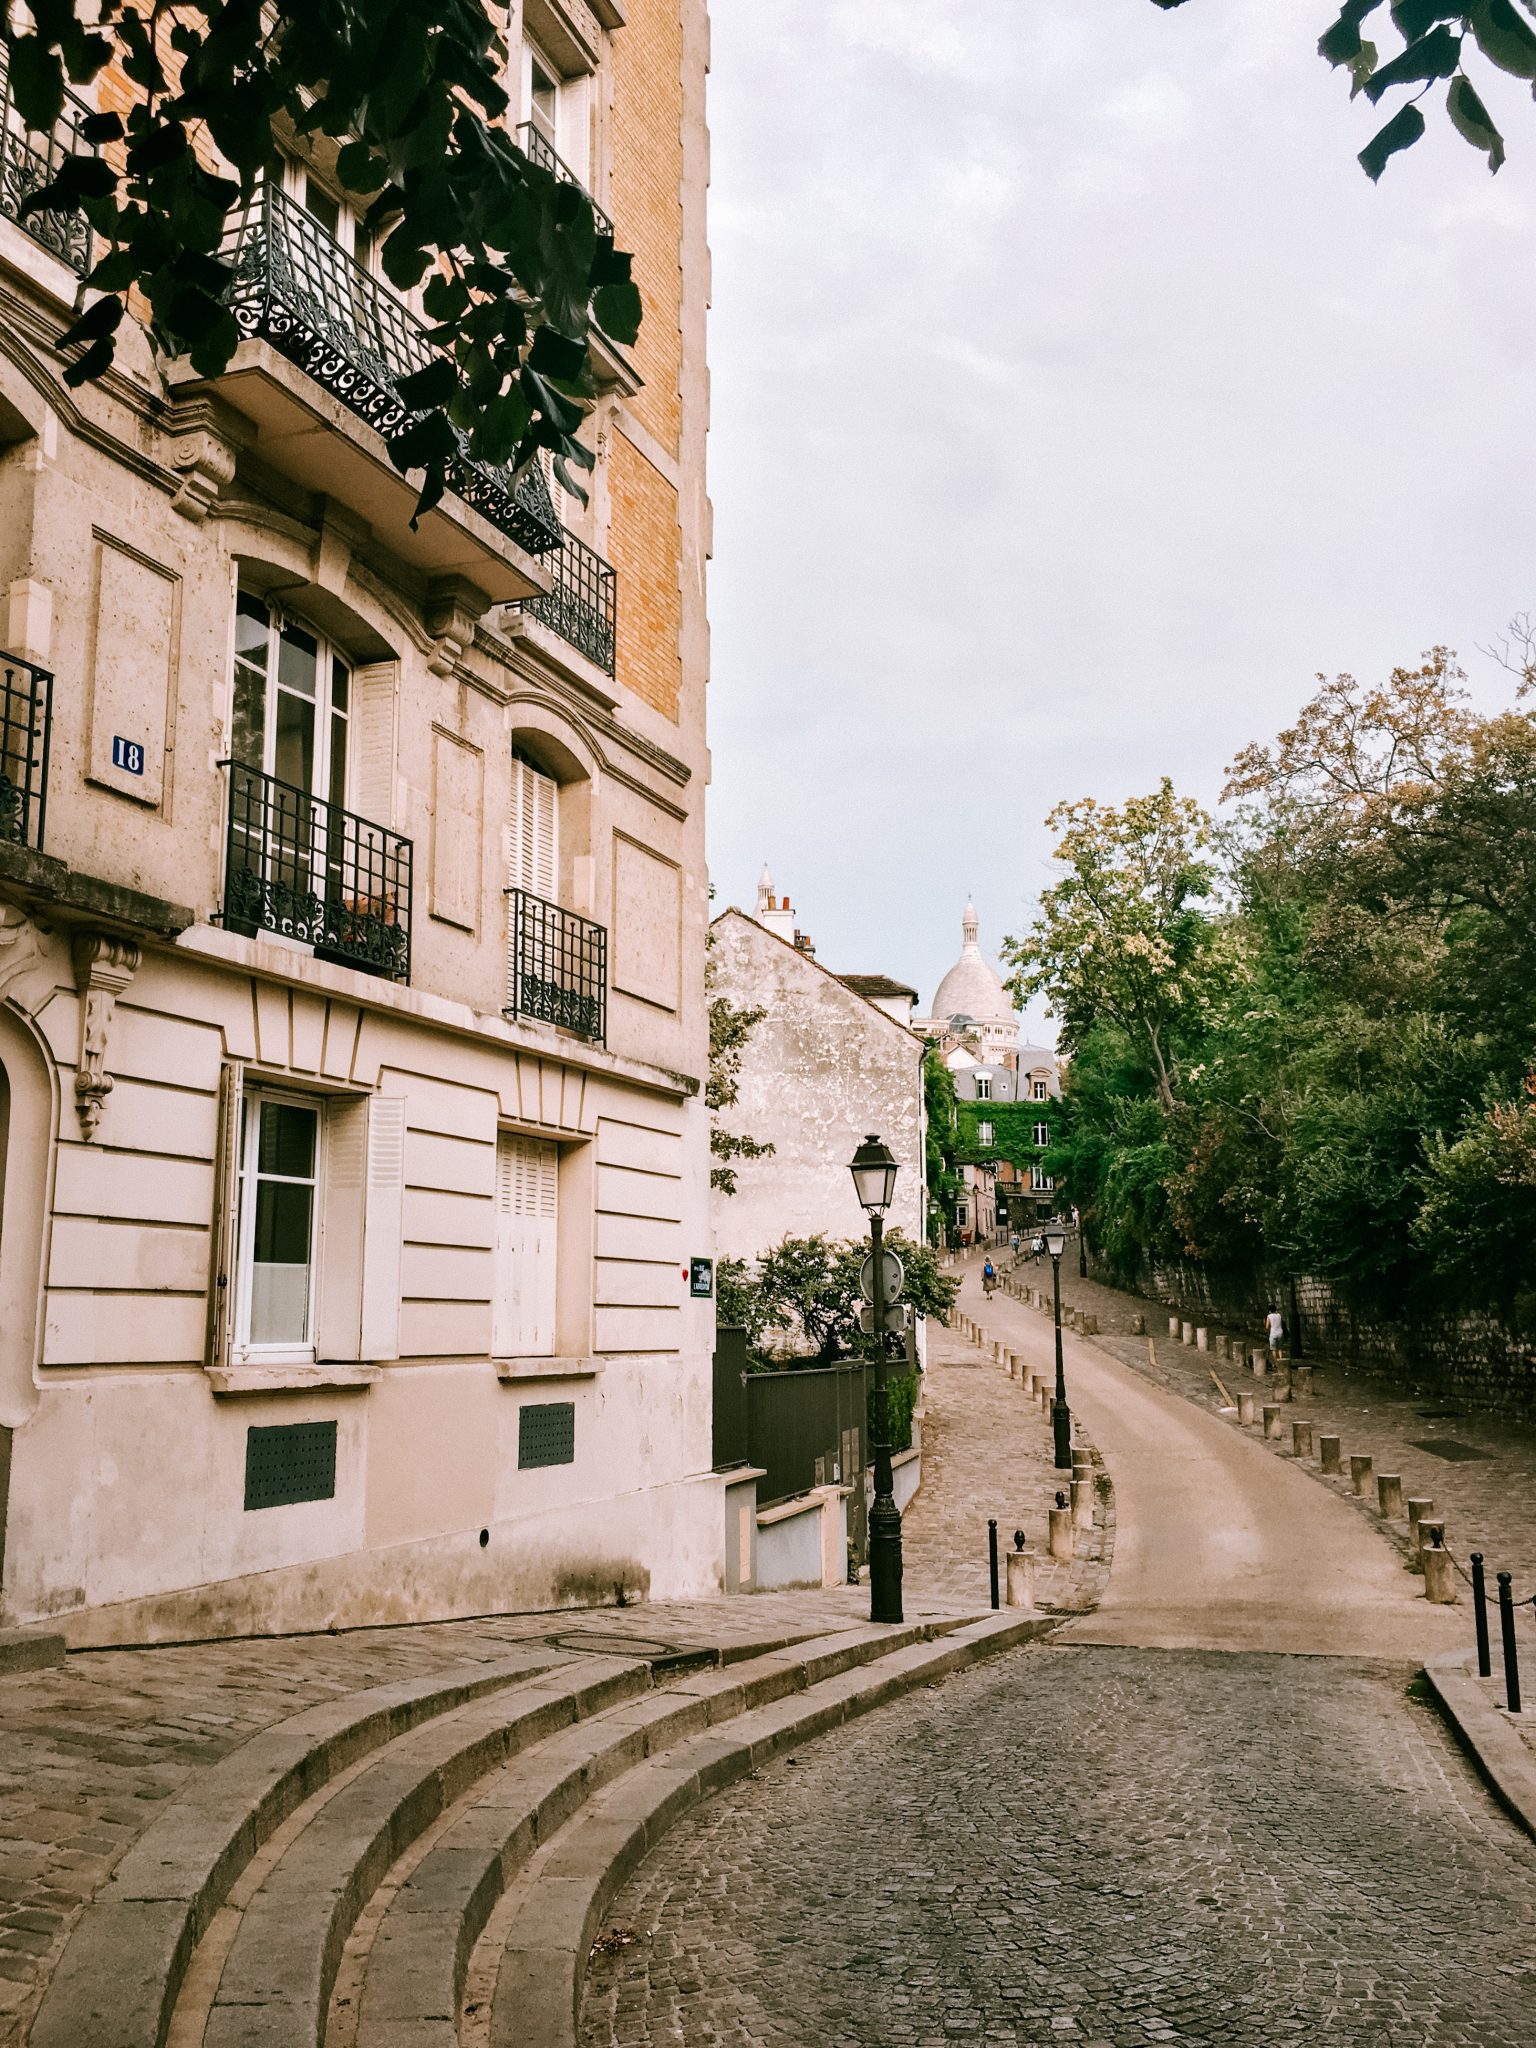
(1061, 1415)
(874, 1178)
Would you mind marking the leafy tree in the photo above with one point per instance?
(739, 1299)
(1120, 937)
(809, 1287)
(1477, 1221)
(730, 1027)
(941, 1143)
(515, 268)
(1434, 40)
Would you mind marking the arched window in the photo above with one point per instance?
(293, 701)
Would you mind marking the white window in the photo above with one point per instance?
(559, 112)
(984, 1134)
(278, 1209)
(527, 1224)
(292, 701)
(1040, 1180)
(963, 1215)
(983, 1087)
(1042, 1134)
(1039, 1091)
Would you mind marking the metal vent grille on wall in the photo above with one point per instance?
(290, 1462)
(546, 1434)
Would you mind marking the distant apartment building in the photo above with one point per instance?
(352, 916)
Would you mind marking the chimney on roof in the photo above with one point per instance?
(774, 912)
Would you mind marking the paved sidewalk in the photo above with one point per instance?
(987, 1452)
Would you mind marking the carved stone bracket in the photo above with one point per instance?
(202, 447)
(453, 609)
(104, 966)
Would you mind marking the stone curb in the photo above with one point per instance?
(117, 1980)
(28, 1649)
(416, 1965)
(539, 1985)
(1498, 1750)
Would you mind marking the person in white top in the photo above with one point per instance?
(1274, 1331)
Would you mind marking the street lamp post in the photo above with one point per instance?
(1061, 1415)
(874, 1178)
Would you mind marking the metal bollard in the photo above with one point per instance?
(992, 1559)
(1511, 1653)
(1389, 1496)
(1439, 1574)
(1301, 1439)
(1271, 1422)
(1361, 1471)
(1328, 1451)
(1021, 1573)
(1246, 1405)
(1480, 1615)
(1061, 1530)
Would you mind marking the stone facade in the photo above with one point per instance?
(351, 1142)
(823, 1067)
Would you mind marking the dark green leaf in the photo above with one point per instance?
(1470, 118)
(99, 128)
(617, 309)
(1341, 43)
(1414, 18)
(1504, 37)
(1433, 56)
(1401, 132)
(37, 83)
(97, 321)
(556, 355)
(434, 385)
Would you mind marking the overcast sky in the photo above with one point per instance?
(1075, 399)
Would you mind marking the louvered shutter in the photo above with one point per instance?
(344, 1219)
(383, 1228)
(221, 1262)
(534, 849)
(527, 1220)
(371, 788)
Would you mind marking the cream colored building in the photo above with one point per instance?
(352, 913)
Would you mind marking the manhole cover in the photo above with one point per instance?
(1448, 1447)
(1441, 1414)
(614, 1645)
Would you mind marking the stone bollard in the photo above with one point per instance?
(1389, 1496)
(1272, 1428)
(1061, 1534)
(1082, 1503)
(1431, 1533)
(1258, 1362)
(1186, 1333)
(1021, 1576)
(1418, 1508)
(1229, 1348)
(1439, 1575)
(1045, 1396)
(1202, 1340)
(1301, 1439)
(1173, 1326)
(1301, 1382)
(1328, 1450)
(1138, 1326)
(1090, 1325)
(1362, 1475)
(1013, 1365)
(1246, 1405)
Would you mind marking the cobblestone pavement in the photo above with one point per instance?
(1104, 1846)
(987, 1453)
(89, 1749)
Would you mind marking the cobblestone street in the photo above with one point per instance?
(1108, 1846)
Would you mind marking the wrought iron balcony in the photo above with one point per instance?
(30, 159)
(583, 606)
(26, 715)
(541, 152)
(297, 288)
(301, 866)
(557, 966)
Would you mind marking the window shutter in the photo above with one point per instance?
(534, 849)
(527, 1217)
(338, 1324)
(372, 786)
(383, 1228)
(221, 1260)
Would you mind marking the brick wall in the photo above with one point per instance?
(645, 195)
(645, 546)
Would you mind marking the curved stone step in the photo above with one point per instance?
(570, 1883)
(413, 1981)
(121, 1970)
(275, 1987)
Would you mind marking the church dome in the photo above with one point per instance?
(973, 987)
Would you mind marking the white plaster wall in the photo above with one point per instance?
(823, 1068)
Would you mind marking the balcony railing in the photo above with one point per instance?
(303, 867)
(557, 966)
(296, 287)
(29, 160)
(26, 716)
(583, 606)
(541, 152)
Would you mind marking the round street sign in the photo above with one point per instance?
(893, 1274)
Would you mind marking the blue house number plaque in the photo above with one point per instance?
(128, 754)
